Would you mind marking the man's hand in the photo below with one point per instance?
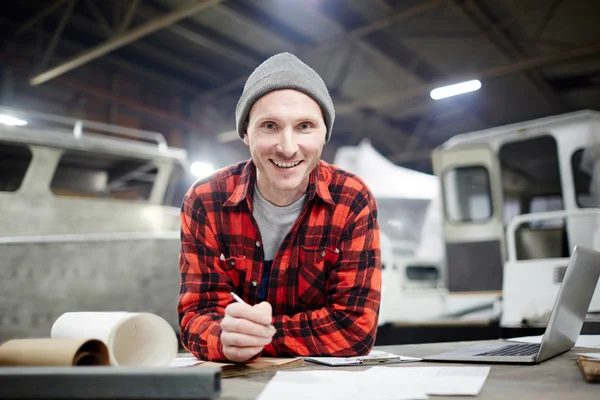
(246, 330)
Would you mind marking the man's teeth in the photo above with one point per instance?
(286, 165)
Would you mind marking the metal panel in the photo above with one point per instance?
(474, 266)
(43, 277)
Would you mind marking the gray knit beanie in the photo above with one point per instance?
(283, 71)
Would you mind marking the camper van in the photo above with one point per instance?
(516, 200)
(88, 221)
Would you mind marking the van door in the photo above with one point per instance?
(473, 217)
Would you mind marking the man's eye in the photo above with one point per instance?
(269, 125)
(305, 126)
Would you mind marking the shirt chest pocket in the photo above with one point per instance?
(313, 272)
(236, 269)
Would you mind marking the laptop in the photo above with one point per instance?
(568, 314)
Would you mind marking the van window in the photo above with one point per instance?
(82, 174)
(530, 176)
(512, 208)
(467, 194)
(586, 178)
(14, 161)
(540, 204)
(176, 188)
(402, 221)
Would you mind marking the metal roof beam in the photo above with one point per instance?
(201, 40)
(128, 16)
(123, 39)
(502, 40)
(132, 104)
(374, 26)
(102, 22)
(64, 19)
(172, 83)
(503, 70)
(383, 23)
(411, 61)
(39, 17)
(163, 56)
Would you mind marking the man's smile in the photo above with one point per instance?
(285, 165)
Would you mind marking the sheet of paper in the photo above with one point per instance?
(185, 361)
(373, 357)
(262, 364)
(229, 370)
(334, 385)
(441, 381)
(591, 356)
(592, 341)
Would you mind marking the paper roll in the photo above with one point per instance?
(132, 339)
(54, 352)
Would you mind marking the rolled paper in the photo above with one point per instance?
(88, 358)
(133, 339)
(54, 352)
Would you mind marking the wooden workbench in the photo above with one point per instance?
(557, 378)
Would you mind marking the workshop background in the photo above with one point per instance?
(171, 71)
(178, 67)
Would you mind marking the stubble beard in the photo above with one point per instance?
(262, 170)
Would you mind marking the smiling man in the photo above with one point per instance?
(294, 237)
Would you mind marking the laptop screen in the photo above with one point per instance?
(572, 302)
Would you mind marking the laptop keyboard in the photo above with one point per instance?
(525, 349)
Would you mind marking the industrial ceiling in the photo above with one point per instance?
(180, 65)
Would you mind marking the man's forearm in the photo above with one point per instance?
(200, 335)
(324, 332)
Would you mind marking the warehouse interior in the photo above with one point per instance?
(182, 74)
(170, 72)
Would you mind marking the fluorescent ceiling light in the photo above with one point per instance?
(453, 90)
(201, 169)
(11, 121)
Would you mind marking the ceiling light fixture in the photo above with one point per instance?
(456, 89)
(11, 121)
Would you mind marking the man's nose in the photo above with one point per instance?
(287, 143)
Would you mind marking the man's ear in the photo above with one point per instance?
(245, 139)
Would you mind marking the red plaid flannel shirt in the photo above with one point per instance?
(325, 282)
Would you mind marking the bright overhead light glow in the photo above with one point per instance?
(453, 90)
(201, 169)
(11, 121)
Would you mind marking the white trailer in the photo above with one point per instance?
(517, 199)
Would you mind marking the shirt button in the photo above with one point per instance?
(258, 243)
(232, 262)
(254, 283)
(323, 253)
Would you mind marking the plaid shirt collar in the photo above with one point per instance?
(318, 185)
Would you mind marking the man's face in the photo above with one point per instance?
(286, 133)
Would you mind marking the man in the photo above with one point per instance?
(296, 238)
